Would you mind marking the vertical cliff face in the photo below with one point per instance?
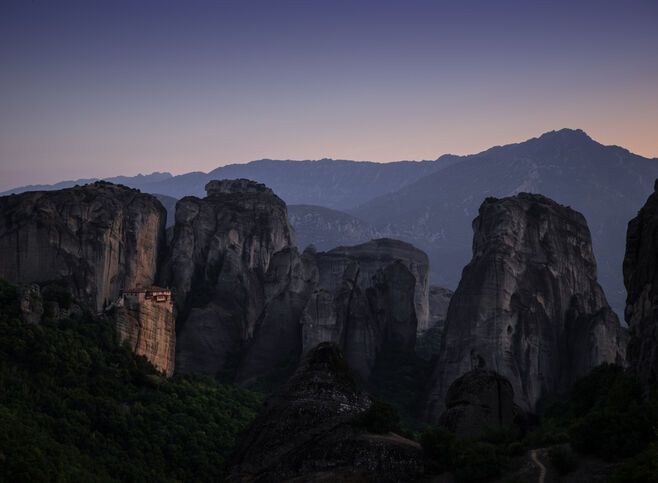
(439, 300)
(145, 320)
(307, 432)
(528, 306)
(379, 253)
(94, 239)
(365, 302)
(641, 280)
(274, 350)
(221, 250)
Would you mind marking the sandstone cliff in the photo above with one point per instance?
(528, 306)
(221, 250)
(365, 301)
(377, 254)
(250, 304)
(307, 432)
(95, 239)
(274, 350)
(145, 320)
(640, 274)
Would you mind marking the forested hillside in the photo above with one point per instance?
(76, 404)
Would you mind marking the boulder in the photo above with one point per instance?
(479, 401)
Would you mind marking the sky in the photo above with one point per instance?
(94, 88)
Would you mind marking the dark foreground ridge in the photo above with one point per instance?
(309, 431)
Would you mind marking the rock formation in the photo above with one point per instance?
(376, 254)
(478, 401)
(307, 433)
(250, 304)
(439, 299)
(366, 301)
(94, 240)
(640, 275)
(31, 303)
(145, 320)
(528, 306)
(274, 350)
(221, 250)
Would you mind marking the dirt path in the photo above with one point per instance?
(542, 468)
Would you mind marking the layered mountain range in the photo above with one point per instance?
(226, 292)
(431, 203)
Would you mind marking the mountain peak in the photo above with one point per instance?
(566, 134)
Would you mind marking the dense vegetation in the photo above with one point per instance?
(608, 416)
(76, 404)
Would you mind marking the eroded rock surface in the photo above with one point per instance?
(145, 320)
(439, 300)
(221, 250)
(274, 350)
(641, 280)
(528, 306)
(365, 301)
(377, 254)
(479, 401)
(94, 239)
(307, 433)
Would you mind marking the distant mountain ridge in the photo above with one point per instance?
(338, 184)
(432, 203)
(605, 183)
(131, 181)
(325, 228)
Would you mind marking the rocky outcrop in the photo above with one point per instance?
(307, 433)
(94, 240)
(479, 401)
(528, 306)
(365, 302)
(276, 346)
(30, 303)
(221, 250)
(145, 321)
(641, 280)
(439, 300)
(250, 304)
(374, 255)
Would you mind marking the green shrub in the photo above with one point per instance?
(563, 459)
(470, 461)
(380, 418)
(438, 444)
(477, 461)
(58, 294)
(643, 468)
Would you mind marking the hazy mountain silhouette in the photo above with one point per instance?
(325, 228)
(337, 184)
(138, 182)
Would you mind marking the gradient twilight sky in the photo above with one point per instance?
(94, 88)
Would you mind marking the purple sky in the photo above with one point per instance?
(99, 88)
